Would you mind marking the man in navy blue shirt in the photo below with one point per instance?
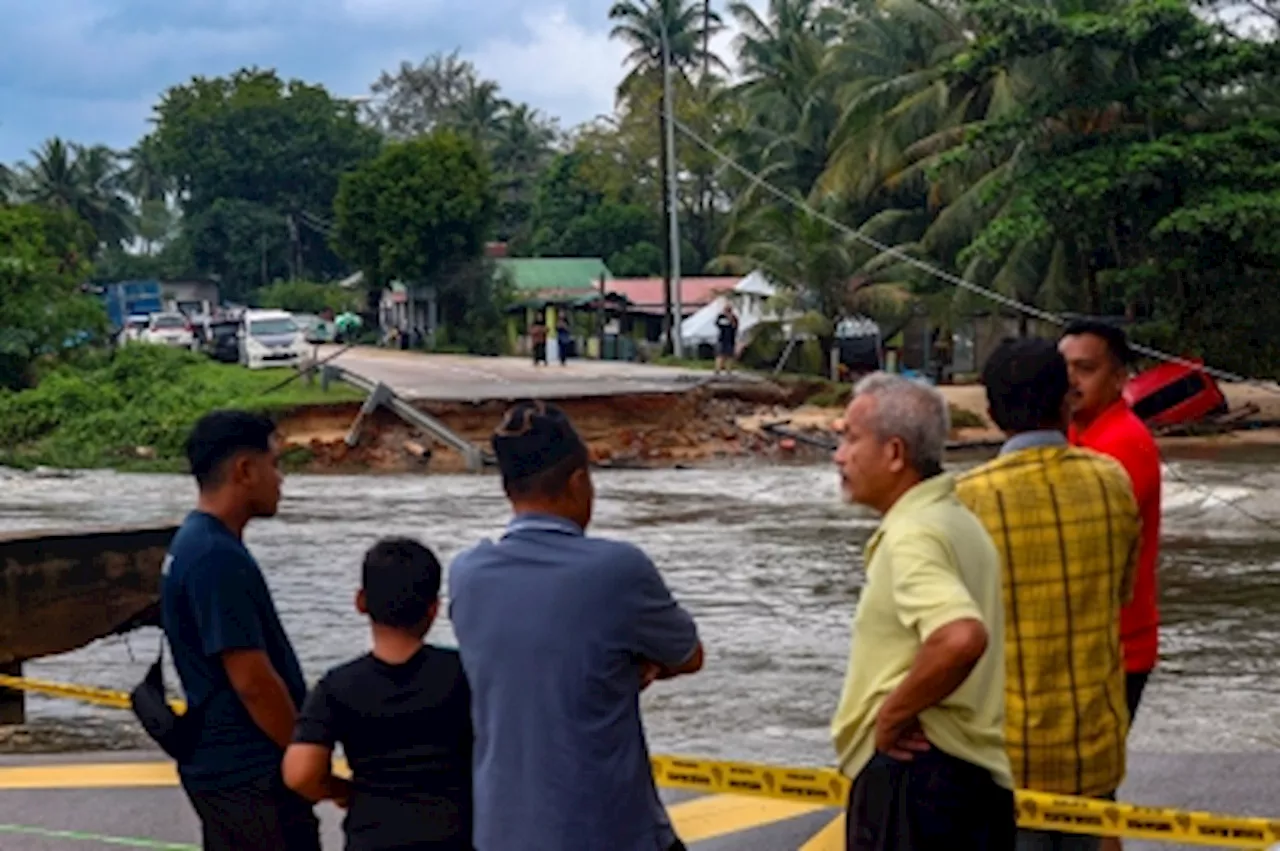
(559, 633)
(236, 664)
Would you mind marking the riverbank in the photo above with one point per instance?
(131, 411)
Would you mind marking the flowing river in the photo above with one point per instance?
(767, 559)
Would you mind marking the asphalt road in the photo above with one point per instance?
(469, 378)
(1242, 784)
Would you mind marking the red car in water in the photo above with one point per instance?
(1174, 394)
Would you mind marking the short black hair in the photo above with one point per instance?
(1026, 381)
(1113, 335)
(221, 435)
(401, 580)
(538, 449)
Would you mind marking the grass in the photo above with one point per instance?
(100, 411)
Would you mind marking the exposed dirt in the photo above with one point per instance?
(652, 430)
(703, 426)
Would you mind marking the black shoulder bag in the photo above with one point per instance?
(175, 734)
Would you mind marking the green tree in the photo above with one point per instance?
(85, 180)
(43, 310)
(309, 297)
(664, 33)
(445, 92)
(421, 213)
(271, 150)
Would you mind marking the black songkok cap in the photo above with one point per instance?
(533, 437)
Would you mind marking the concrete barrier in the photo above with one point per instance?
(62, 590)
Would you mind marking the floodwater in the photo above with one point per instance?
(767, 559)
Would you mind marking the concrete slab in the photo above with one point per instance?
(423, 377)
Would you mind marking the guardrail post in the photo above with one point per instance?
(13, 704)
(379, 395)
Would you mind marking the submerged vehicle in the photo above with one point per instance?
(1175, 394)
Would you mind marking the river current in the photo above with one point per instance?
(767, 559)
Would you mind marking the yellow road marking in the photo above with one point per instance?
(718, 815)
(830, 838)
(106, 775)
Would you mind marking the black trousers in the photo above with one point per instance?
(935, 802)
(1134, 686)
(260, 815)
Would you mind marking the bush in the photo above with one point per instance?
(97, 412)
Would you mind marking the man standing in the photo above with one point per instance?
(1066, 524)
(559, 633)
(920, 725)
(1098, 359)
(727, 341)
(236, 664)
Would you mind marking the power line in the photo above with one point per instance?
(942, 274)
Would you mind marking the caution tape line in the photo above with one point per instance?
(1036, 810)
(824, 786)
(85, 694)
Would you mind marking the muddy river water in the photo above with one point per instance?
(767, 559)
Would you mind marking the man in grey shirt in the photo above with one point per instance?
(559, 633)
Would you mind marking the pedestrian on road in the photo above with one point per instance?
(402, 714)
(237, 667)
(538, 338)
(1068, 530)
(559, 633)
(920, 724)
(727, 344)
(564, 340)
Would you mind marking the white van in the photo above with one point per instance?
(270, 338)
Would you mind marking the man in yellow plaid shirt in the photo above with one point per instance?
(1067, 527)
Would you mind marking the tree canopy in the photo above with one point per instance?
(1113, 158)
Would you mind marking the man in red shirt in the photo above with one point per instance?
(1098, 358)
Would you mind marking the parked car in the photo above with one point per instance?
(316, 329)
(223, 341)
(133, 328)
(271, 338)
(169, 329)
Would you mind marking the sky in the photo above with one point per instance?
(90, 70)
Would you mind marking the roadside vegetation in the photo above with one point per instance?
(132, 408)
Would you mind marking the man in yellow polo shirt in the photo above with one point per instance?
(920, 725)
(1067, 526)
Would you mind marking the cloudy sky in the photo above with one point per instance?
(90, 70)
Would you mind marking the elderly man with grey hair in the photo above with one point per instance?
(920, 725)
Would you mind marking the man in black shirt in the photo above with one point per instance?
(402, 714)
(727, 345)
(238, 669)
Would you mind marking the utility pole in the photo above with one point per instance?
(673, 220)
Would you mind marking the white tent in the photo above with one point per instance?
(749, 298)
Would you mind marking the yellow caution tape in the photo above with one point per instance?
(828, 787)
(1036, 810)
(85, 694)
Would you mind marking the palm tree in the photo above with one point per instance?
(521, 150)
(793, 103)
(825, 269)
(664, 33)
(145, 178)
(84, 180)
(480, 112)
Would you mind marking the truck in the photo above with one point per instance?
(130, 298)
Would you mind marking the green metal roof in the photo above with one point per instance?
(539, 274)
